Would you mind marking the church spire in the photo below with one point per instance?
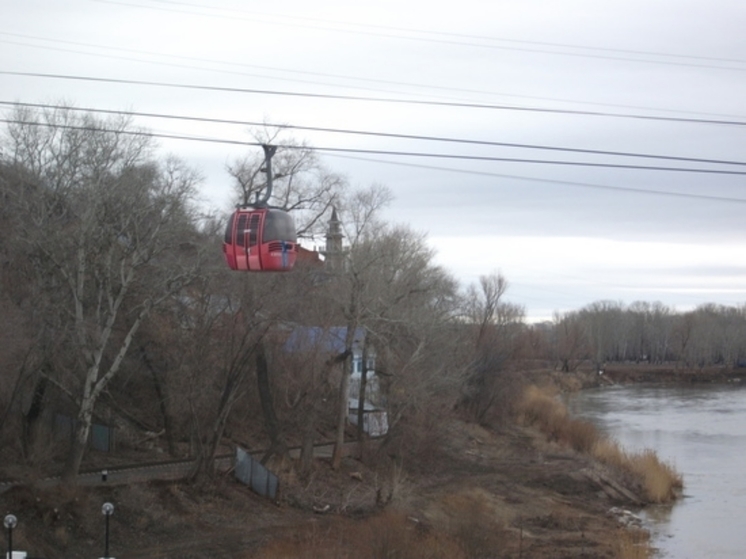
(334, 252)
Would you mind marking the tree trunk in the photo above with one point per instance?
(237, 373)
(271, 423)
(161, 393)
(79, 442)
(361, 402)
(32, 425)
(309, 431)
(344, 388)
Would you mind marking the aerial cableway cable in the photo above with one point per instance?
(379, 134)
(405, 101)
(191, 60)
(329, 149)
(441, 37)
(416, 165)
(546, 180)
(451, 156)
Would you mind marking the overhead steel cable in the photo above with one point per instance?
(450, 33)
(594, 186)
(429, 167)
(311, 95)
(451, 39)
(379, 134)
(192, 66)
(532, 161)
(454, 34)
(385, 152)
(347, 77)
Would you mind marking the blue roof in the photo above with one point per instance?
(316, 338)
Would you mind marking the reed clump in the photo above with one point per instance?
(658, 480)
(634, 544)
(541, 408)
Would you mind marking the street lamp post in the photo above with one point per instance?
(107, 510)
(10, 522)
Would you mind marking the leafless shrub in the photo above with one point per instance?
(491, 390)
(416, 440)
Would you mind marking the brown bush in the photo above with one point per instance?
(579, 435)
(542, 409)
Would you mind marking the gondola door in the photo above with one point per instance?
(254, 241)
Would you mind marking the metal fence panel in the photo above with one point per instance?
(101, 436)
(259, 475)
(251, 472)
(243, 466)
(64, 426)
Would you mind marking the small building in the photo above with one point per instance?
(332, 341)
(375, 419)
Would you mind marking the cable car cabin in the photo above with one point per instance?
(260, 240)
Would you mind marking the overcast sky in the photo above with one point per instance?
(646, 78)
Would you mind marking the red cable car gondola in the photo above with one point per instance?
(259, 238)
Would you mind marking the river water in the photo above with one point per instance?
(701, 430)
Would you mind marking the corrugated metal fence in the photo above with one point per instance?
(252, 473)
(101, 437)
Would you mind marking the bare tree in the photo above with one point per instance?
(497, 325)
(301, 185)
(570, 345)
(410, 313)
(392, 290)
(604, 326)
(104, 215)
(363, 207)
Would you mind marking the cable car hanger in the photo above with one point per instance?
(269, 152)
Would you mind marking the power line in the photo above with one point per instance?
(223, 71)
(309, 73)
(595, 186)
(485, 158)
(337, 151)
(377, 134)
(454, 39)
(310, 95)
(532, 161)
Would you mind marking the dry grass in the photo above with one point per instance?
(659, 481)
(469, 528)
(390, 535)
(541, 408)
(474, 523)
(634, 544)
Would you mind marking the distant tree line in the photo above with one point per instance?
(607, 332)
